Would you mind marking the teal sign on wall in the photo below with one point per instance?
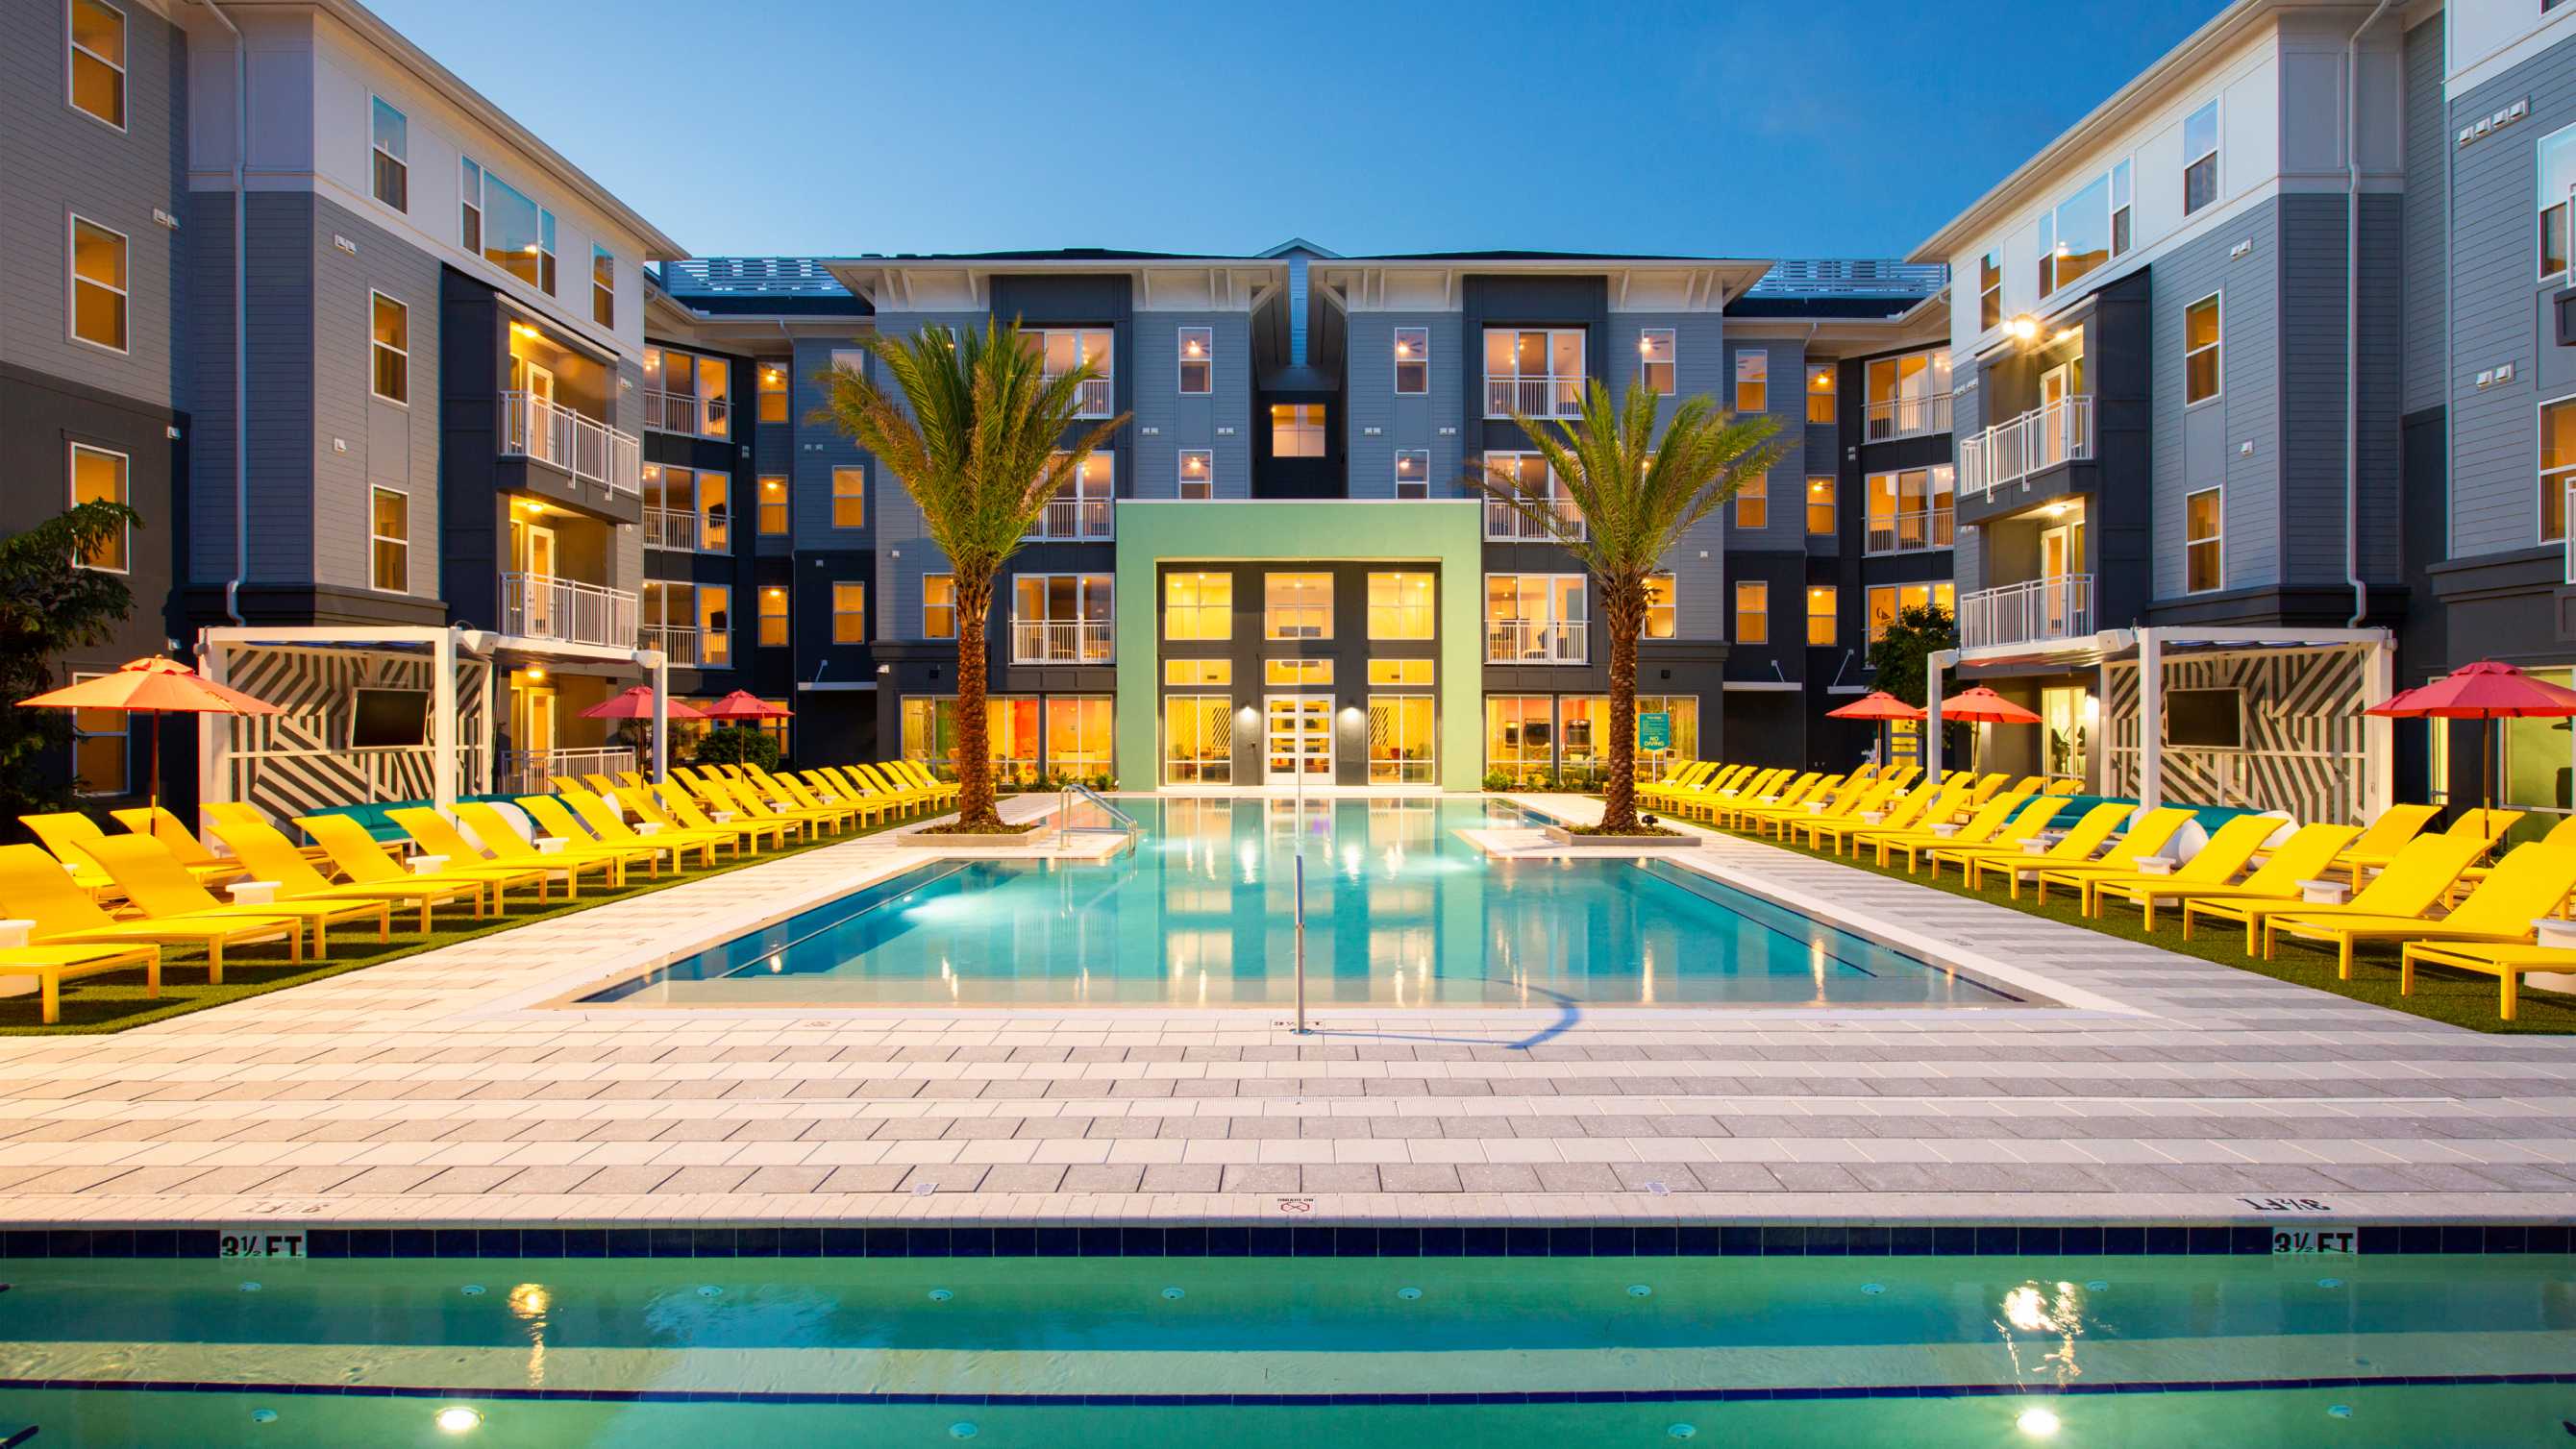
(1655, 731)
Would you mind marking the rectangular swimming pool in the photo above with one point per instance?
(1401, 911)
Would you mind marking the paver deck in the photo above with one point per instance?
(444, 1088)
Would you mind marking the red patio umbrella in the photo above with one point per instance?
(1882, 706)
(1981, 705)
(637, 703)
(154, 686)
(2485, 691)
(743, 704)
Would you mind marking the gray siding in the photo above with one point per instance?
(817, 448)
(2198, 446)
(2312, 388)
(280, 343)
(1166, 422)
(1702, 368)
(1379, 422)
(2428, 142)
(1705, 612)
(386, 443)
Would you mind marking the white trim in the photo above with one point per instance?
(1181, 479)
(1548, 580)
(2567, 223)
(598, 250)
(951, 606)
(2216, 155)
(2217, 346)
(73, 280)
(124, 495)
(124, 72)
(2219, 538)
(484, 181)
(374, 342)
(834, 614)
(1552, 379)
(1736, 381)
(376, 149)
(1398, 361)
(1402, 482)
(832, 517)
(124, 731)
(1182, 359)
(1762, 686)
(819, 686)
(1673, 346)
(1735, 613)
(374, 538)
(2539, 440)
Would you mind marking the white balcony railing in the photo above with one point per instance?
(670, 528)
(549, 432)
(1504, 523)
(533, 772)
(2044, 437)
(1908, 417)
(680, 643)
(1073, 518)
(680, 412)
(1060, 641)
(1909, 532)
(1537, 641)
(2027, 613)
(2567, 510)
(542, 606)
(1095, 398)
(1535, 397)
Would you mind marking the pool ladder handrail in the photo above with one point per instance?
(1064, 812)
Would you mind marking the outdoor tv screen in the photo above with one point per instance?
(2205, 719)
(388, 718)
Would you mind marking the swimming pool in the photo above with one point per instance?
(1401, 911)
(1401, 1348)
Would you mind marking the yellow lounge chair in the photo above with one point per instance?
(1739, 814)
(673, 805)
(1759, 817)
(2215, 863)
(163, 826)
(557, 820)
(846, 786)
(902, 792)
(1980, 827)
(273, 857)
(33, 886)
(1848, 804)
(489, 825)
(64, 834)
(2420, 875)
(814, 787)
(1908, 815)
(789, 793)
(1749, 787)
(1717, 780)
(2306, 855)
(749, 806)
(1721, 812)
(2527, 884)
(53, 965)
(2077, 845)
(2023, 820)
(608, 825)
(439, 836)
(159, 886)
(1895, 811)
(2506, 963)
(2148, 835)
(916, 773)
(1688, 775)
(362, 858)
(2384, 837)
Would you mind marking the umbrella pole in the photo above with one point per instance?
(155, 799)
(2490, 763)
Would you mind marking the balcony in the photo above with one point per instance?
(548, 432)
(1537, 641)
(1060, 641)
(1906, 417)
(674, 528)
(1506, 524)
(1073, 519)
(1912, 532)
(679, 643)
(1535, 397)
(532, 772)
(2044, 437)
(542, 606)
(680, 412)
(1095, 398)
(2027, 613)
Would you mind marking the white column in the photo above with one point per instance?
(214, 736)
(661, 718)
(442, 720)
(491, 730)
(2151, 720)
(1932, 723)
(2378, 745)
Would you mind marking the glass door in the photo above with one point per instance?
(2056, 385)
(539, 385)
(1299, 739)
(536, 580)
(2061, 555)
(1399, 739)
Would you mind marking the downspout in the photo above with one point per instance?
(2352, 319)
(241, 318)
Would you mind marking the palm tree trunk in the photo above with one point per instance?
(974, 725)
(1625, 601)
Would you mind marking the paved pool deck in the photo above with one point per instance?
(445, 1089)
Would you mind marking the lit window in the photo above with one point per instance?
(1064, 350)
(1908, 395)
(1413, 472)
(850, 497)
(1297, 673)
(1990, 292)
(389, 541)
(1662, 620)
(1296, 430)
(1081, 506)
(2122, 188)
(1537, 619)
(1753, 502)
(773, 505)
(99, 476)
(1061, 618)
(1399, 606)
(99, 749)
(1752, 613)
(938, 606)
(1198, 360)
(2200, 159)
(1820, 616)
(1820, 394)
(1198, 673)
(1752, 381)
(1297, 606)
(771, 379)
(1198, 473)
(714, 504)
(2075, 239)
(2200, 377)
(1198, 604)
(850, 613)
(1820, 507)
(510, 230)
(98, 284)
(715, 623)
(1533, 373)
(1412, 361)
(2557, 168)
(1400, 673)
(392, 348)
(2204, 528)
(392, 177)
(773, 618)
(603, 286)
(1655, 348)
(1886, 599)
(98, 60)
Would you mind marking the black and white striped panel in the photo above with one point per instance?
(298, 760)
(2304, 733)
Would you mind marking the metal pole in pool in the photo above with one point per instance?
(1299, 871)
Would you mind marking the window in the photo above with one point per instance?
(2200, 159)
(1296, 430)
(1060, 618)
(771, 380)
(2075, 239)
(1820, 507)
(1192, 673)
(1063, 350)
(714, 506)
(687, 393)
(1198, 473)
(1198, 739)
(850, 497)
(392, 348)
(850, 612)
(2123, 187)
(98, 284)
(1400, 673)
(1820, 394)
(773, 618)
(1198, 360)
(929, 734)
(1081, 506)
(938, 606)
(2204, 528)
(389, 541)
(715, 623)
(1536, 374)
(1886, 599)
(1531, 478)
(469, 210)
(1079, 734)
(1297, 673)
(1911, 509)
(1990, 292)
(1662, 621)
(2200, 376)
(97, 61)
(392, 177)
(1198, 604)
(1413, 472)
(1908, 395)
(1399, 606)
(1753, 503)
(510, 230)
(2557, 169)
(1752, 381)
(1655, 348)
(1412, 361)
(1520, 735)
(99, 476)
(1752, 613)
(603, 286)
(1820, 616)
(772, 520)
(99, 749)
(1297, 606)
(1537, 619)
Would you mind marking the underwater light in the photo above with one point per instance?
(458, 1419)
(2036, 1422)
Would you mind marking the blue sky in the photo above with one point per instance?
(1822, 128)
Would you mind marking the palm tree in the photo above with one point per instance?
(978, 438)
(1632, 497)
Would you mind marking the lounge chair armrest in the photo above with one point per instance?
(647, 827)
(2035, 847)
(2155, 865)
(2325, 892)
(721, 817)
(1873, 817)
(2548, 931)
(14, 933)
(253, 892)
(427, 864)
(552, 845)
(1946, 829)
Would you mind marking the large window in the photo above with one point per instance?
(714, 507)
(100, 747)
(1752, 612)
(1198, 739)
(1297, 673)
(1413, 472)
(773, 617)
(2204, 528)
(715, 624)
(1296, 430)
(2200, 159)
(2075, 239)
(1081, 506)
(1910, 509)
(929, 734)
(1990, 291)
(2200, 370)
(1064, 349)
(772, 520)
(2556, 159)
(1078, 735)
(1682, 713)
(391, 378)
(507, 227)
(1400, 673)
(1400, 606)
(1909, 395)
(1821, 630)
(2557, 466)
(1412, 361)
(850, 496)
(1534, 373)
(687, 393)
(1820, 393)
(98, 284)
(101, 476)
(1533, 479)
(1297, 606)
(1820, 507)
(1663, 621)
(850, 612)
(391, 178)
(1753, 502)
(1886, 599)
(938, 606)
(1752, 381)
(389, 541)
(1401, 739)
(1060, 619)
(1537, 619)
(603, 286)
(1198, 604)
(771, 380)
(1520, 735)
(1198, 360)
(1198, 473)
(1655, 360)
(97, 61)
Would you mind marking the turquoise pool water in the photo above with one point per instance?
(1071, 1352)
(1401, 911)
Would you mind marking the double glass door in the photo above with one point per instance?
(1298, 738)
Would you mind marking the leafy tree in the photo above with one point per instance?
(983, 440)
(1629, 497)
(738, 745)
(1902, 655)
(48, 607)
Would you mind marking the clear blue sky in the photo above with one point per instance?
(1818, 128)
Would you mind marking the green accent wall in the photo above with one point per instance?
(1450, 534)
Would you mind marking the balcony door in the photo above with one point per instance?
(2065, 380)
(1299, 738)
(2061, 557)
(535, 552)
(538, 385)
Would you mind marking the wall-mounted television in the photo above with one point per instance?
(384, 719)
(2205, 719)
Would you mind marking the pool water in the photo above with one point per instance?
(2414, 1350)
(1402, 910)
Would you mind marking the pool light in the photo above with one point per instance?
(458, 1419)
(2037, 1422)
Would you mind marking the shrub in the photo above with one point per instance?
(738, 745)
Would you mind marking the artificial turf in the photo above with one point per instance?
(115, 1000)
